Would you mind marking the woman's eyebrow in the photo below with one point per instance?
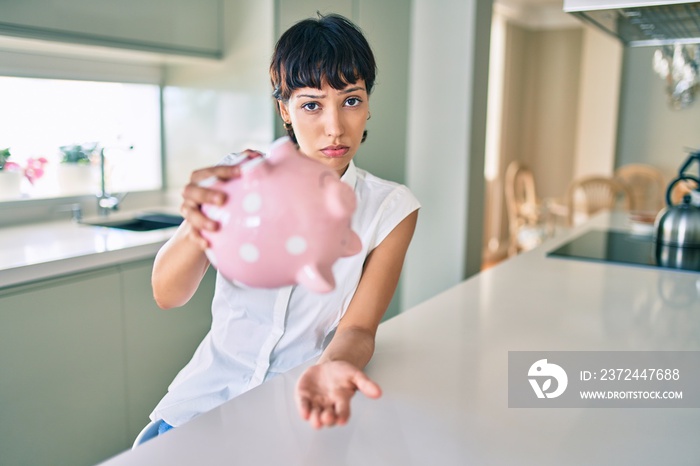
(352, 89)
(311, 96)
(323, 96)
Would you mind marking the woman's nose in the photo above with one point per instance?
(334, 123)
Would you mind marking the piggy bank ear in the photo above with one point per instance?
(315, 278)
(281, 148)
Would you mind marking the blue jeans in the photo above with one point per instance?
(163, 427)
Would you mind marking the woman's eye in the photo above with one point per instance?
(311, 106)
(353, 102)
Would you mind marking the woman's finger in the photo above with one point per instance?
(315, 417)
(197, 220)
(342, 410)
(328, 417)
(366, 385)
(223, 172)
(195, 236)
(304, 407)
(198, 191)
(198, 195)
(252, 154)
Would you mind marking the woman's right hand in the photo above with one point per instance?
(195, 194)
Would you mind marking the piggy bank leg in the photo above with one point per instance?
(315, 278)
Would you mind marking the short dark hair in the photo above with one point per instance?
(329, 48)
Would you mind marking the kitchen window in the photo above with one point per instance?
(54, 132)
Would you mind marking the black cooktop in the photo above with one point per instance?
(626, 248)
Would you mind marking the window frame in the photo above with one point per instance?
(24, 59)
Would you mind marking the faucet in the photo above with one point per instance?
(75, 209)
(105, 201)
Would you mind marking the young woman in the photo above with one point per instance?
(322, 72)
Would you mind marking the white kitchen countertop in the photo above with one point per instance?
(443, 369)
(44, 250)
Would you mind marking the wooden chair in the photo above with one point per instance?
(646, 185)
(522, 207)
(680, 189)
(589, 195)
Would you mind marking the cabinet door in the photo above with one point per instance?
(158, 342)
(170, 26)
(62, 394)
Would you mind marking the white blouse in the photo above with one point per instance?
(259, 333)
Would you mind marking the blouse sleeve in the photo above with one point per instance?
(396, 207)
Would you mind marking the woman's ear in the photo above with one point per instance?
(284, 111)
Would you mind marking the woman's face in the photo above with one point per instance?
(328, 123)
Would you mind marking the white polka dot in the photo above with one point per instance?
(249, 252)
(295, 245)
(217, 214)
(252, 202)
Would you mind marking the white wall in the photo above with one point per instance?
(446, 135)
(650, 131)
(212, 109)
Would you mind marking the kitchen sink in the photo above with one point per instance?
(144, 222)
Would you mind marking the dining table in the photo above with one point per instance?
(449, 388)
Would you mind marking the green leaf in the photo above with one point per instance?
(4, 155)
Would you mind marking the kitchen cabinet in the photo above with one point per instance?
(62, 362)
(158, 343)
(179, 27)
(85, 358)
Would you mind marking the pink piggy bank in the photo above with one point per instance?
(285, 222)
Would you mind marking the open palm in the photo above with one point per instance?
(324, 392)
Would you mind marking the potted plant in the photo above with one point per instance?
(78, 154)
(76, 172)
(10, 177)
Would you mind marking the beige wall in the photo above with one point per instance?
(601, 68)
(552, 73)
(540, 117)
(541, 84)
(517, 79)
(560, 95)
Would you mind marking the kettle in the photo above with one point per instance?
(679, 225)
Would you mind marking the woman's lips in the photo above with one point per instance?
(335, 151)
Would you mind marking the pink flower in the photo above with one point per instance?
(35, 169)
(12, 167)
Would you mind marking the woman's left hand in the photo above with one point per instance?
(324, 391)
